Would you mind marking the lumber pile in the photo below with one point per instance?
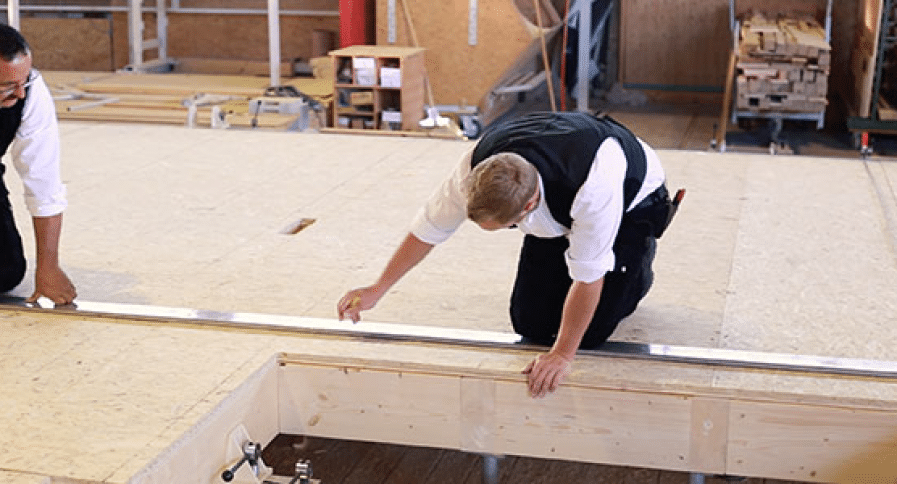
(183, 99)
(783, 65)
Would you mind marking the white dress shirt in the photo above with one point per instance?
(35, 153)
(596, 212)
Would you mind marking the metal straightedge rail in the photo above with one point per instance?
(715, 357)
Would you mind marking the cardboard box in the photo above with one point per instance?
(361, 98)
(391, 116)
(390, 77)
(365, 71)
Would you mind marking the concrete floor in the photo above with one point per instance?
(788, 254)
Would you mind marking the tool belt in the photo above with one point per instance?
(653, 215)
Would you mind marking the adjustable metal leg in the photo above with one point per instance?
(490, 469)
(775, 130)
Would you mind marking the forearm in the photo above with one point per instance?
(47, 232)
(579, 308)
(49, 279)
(409, 254)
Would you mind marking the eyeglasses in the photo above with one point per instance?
(11, 87)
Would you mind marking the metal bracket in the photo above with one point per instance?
(246, 454)
(303, 473)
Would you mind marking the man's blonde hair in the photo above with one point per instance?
(499, 187)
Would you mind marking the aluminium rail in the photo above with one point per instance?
(729, 358)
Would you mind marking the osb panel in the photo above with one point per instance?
(459, 72)
(242, 36)
(233, 37)
(310, 5)
(686, 42)
(82, 44)
(674, 42)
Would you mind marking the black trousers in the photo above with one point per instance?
(12, 255)
(543, 280)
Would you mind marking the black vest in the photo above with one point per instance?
(562, 147)
(10, 119)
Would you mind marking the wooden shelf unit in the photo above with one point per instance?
(375, 81)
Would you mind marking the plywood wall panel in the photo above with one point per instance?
(75, 44)
(243, 37)
(309, 5)
(674, 42)
(685, 43)
(459, 72)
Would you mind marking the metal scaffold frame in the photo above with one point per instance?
(138, 45)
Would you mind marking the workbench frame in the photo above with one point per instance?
(462, 389)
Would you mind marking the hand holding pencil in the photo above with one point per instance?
(355, 301)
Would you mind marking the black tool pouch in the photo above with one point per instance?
(652, 216)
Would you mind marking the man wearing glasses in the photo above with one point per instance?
(591, 200)
(29, 131)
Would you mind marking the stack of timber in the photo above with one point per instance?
(783, 65)
(170, 98)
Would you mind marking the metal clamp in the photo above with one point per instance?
(252, 452)
(303, 472)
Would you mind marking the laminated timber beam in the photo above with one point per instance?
(418, 386)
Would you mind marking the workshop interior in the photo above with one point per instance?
(234, 166)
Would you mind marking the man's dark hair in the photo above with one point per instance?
(12, 44)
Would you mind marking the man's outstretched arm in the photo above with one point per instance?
(411, 251)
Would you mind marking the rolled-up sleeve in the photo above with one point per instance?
(446, 209)
(597, 211)
(36, 156)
